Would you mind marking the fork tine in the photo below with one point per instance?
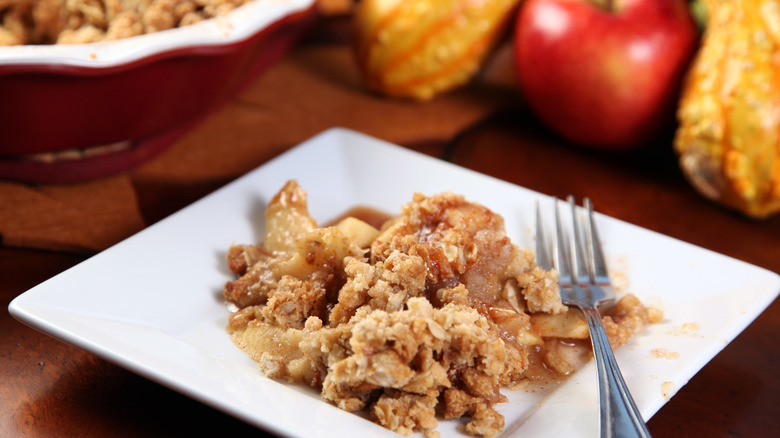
(580, 267)
(542, 244)
(561, 253)
(598, 265)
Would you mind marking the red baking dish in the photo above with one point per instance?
(75, 112)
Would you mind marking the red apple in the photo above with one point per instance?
(605, 76)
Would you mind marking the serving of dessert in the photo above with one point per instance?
(408, 318)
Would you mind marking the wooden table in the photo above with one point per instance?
(49, 388)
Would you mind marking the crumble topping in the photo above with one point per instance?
(429, 315)
(89, 21)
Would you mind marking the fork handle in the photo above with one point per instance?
(619, 415)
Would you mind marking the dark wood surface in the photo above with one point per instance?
(49, 388)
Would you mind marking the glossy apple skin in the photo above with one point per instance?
(600, 78)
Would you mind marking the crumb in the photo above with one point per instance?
(662, 353)
(619, 281)
(687, 329)
(667, 390)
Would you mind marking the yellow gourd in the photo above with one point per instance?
(420, 48)
(728, 140)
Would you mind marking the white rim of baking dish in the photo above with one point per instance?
(236, 26)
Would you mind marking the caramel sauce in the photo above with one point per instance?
(540, 376)
(369, 215)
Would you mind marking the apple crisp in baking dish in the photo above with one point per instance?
(428, 314)
(88, 21)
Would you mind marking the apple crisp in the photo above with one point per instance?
(87, 21)
(427, 315)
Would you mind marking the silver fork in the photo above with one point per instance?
(584, 284)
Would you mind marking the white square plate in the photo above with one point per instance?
(153, 304)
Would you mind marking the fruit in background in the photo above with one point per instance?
(604, 76)
(728, 138)
(421, 48)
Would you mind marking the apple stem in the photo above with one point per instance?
(603, 4)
